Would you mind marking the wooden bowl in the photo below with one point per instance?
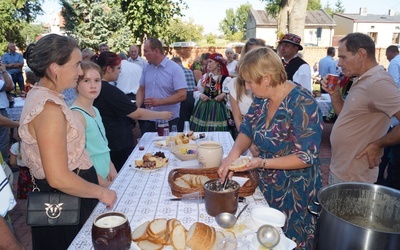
(246, 190)
(177, 151)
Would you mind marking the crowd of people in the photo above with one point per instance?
(91, 103)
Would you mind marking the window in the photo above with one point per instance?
(396, 38)
(374, 36)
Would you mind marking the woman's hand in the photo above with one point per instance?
(223, 170)
(113, 172)
(204, 98)
(108, 197)
(220, 97)
(166, 115)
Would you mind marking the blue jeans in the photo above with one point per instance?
(18, 78)
(4, 138)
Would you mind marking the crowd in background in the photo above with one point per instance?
(103, 102)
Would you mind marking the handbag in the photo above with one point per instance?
(52, 208)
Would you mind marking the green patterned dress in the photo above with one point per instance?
(210, 115)
(296, 128)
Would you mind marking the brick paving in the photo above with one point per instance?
(23, 232)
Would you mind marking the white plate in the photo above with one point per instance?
(284, 244)
(147, 169)
(161, 143)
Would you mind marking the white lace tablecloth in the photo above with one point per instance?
(324, 103)
(144, 195)
(14, 113)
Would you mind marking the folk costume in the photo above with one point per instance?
(212, 114)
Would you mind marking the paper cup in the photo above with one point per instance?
(331, 81)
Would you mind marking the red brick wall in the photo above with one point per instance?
(310, 54)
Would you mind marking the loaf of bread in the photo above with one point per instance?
(191, 181)
(158, 233)
(201, 236)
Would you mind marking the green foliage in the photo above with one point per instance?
(31, 31)
(339, 8)
(328, 9)
(183, 31)
(234, 24)
(14, 16)
(151, 18)
(273, 6)
(210, 38)
(314, 5)
(96, 22)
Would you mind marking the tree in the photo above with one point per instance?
(31, 32)
(14, 16)
(150, 18)
(210, 38)
(328, 9)
(287, 16)
(234, 24)
(95, 22)
(339, 7)
(183, 31)
(314, 5)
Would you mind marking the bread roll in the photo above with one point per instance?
(239, 163)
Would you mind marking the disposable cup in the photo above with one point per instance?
(331, 81)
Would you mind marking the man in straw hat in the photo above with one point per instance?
(297, 69)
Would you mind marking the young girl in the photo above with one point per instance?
(24, 177)
(88, 88)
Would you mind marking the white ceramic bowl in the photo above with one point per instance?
(266, 215)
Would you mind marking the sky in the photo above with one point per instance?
(209, 13)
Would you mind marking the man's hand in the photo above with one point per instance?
(324, 86)
(374, 155)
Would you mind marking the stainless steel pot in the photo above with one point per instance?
(357, 216)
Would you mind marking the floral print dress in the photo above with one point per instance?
(296, 128)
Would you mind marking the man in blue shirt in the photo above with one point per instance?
(327, 65)
(162, 85)
(14, 63)
(188, 104)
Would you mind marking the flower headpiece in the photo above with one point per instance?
(222, 62)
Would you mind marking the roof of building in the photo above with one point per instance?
(370, 18)
(313, 18)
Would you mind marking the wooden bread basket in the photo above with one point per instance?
(246, 190)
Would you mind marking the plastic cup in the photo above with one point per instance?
(140, 144)
(161, 125)
(331, 81)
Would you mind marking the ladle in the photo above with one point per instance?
(268, 236)
(228, 220)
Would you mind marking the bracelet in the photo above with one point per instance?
(264, 163)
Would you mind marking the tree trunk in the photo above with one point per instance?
(297, 18)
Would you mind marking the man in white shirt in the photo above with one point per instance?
(128, 78)
(135, 58)
(296, 68)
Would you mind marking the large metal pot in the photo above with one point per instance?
(358, 216)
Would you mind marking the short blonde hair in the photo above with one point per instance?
(260, 62)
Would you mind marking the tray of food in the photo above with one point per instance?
(189, 180)
(151, 161)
